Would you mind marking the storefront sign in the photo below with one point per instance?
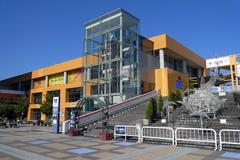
(218, 62)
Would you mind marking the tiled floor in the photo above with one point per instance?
(40, 143)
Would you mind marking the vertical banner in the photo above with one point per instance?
(55, 115)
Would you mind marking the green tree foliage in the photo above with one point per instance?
(149, 111)
(174, 97)
(46, 105)
(154, 105)
(191, 85)
(7, 111)
(160, 104)
(178, 96)
(22, 107)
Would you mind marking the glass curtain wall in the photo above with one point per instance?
(111, 57)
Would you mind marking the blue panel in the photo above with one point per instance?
(82, 150)
(38, 142)
(231, 155)
(179, 84)
(125, 143)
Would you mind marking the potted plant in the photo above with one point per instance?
(148, 115)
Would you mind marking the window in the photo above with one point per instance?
(37, 98)
(94, 89)
(75, 94)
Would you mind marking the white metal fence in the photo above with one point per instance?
(126, 131)
(229, 136)
(161, 133)
(201, 135)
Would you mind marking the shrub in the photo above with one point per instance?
(155, 106)
(160, 104)
(149, 111)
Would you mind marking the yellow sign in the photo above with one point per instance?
(56, 79)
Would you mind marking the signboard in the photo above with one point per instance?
(55, 115)
(223, 121)
(218, 62)
(238, 70)
(179, 84)
(56, 79)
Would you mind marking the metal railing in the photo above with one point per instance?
(204, 135)
(161, 133)
(116, 108)
(229, 136)
(126, 131)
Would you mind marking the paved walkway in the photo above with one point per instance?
(40, 143)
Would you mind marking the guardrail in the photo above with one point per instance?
(161, 133)
(229, 136)
(126, 131)
(116, 108)
(204, 135)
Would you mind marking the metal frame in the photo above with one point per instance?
(129, 131)
(196, 135)
(230, 138)
(161, 133)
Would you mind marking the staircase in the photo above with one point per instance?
(126, 112)
(127, 117)
(230, 112)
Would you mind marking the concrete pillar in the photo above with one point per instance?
(65, 78)
(184, 67)
(161, 58)
(46, 81)
(199, 72)
(32, 84)
(19, 85)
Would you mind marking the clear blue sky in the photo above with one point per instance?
(39, 33)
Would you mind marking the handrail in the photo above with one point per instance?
(115, 108)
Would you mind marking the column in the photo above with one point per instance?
(184, 67)
(199, 72)
(32, 84)
(65, 78)
(161, 58)
(46, 81)
(19, 85)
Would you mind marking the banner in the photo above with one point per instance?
(218, 62)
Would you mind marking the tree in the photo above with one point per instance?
(22, 107)
(7, 111)
(46, 105)
(160, 104)
(149, 111)
(178, 96)
(154, 106)
(172, 97)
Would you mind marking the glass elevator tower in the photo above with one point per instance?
(111, 49)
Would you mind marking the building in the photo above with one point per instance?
(118, 63)
(229, 68)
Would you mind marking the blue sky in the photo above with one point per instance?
(39, 33)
